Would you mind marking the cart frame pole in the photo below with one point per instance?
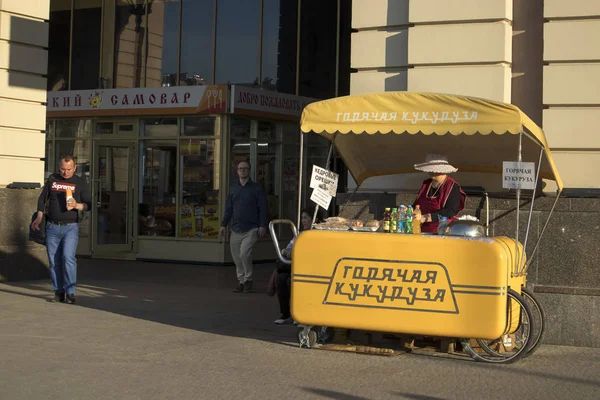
(537, 245)
(519, 159)
(329, 155)
(300, 177)
(537, 178)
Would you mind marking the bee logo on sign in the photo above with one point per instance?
(518, 175)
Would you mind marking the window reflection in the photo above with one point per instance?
(288, 31)
(318, 42)
(85, 67)
(130, 35)
(58, 45)
(163, 40)
(157, 210)
(238, 36)
(197, 32)
(270, 44)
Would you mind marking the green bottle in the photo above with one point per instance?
(409, 215)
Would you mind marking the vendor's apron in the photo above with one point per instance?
(431, 205)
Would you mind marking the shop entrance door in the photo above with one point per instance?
(114, 164)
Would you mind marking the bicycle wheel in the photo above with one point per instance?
(539, 321)
(495, 347)
(511, 346)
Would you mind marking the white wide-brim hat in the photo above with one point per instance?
(436, 164)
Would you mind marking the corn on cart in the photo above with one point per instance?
(472, 289)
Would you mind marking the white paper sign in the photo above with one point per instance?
(518, 175)
(325, 180)
(321, 197)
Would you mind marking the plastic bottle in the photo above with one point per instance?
(69, 196)
(394, 220)
(386, 220)
(401, 219)
(416, 226)
(443, 223)
(409, 221)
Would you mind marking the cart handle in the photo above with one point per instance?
(276, 241)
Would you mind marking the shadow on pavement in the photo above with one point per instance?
(187, 296)
(332, 394)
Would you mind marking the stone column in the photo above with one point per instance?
(23, 66)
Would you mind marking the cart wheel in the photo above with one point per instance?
(509, 347)
(496, 348)
(539, 320)
(325, 335)
(307, 337)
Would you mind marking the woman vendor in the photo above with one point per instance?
(440, 195)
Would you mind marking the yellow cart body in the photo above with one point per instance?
(421, 284)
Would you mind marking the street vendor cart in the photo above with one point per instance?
(469, 288)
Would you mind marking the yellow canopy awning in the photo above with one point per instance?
(476, 134)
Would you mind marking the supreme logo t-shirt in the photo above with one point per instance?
(57, 198)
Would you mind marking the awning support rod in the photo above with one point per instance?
(542, 233)
(329, 155)
(300, 178)
(537, 177)
(519, 159)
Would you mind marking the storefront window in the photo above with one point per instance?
(315, 152)
(80, 149)
(49, 129)
(201, 126)
(58, 45)
(291, 159)
(240, 145)
(71, 128)
(268, 175)
(157, 207)
(159, 127)
(163, 40)
(85, 66)
(238, 41)
(197, 35)
(49, 163)
(270, 44)
(199, 167)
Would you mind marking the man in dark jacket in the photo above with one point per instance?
(67, 195)
(246, 209)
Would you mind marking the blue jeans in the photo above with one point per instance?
(61, 244)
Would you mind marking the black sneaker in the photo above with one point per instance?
(71, 299)
(239, 288)
(248, 287)
(58, 298)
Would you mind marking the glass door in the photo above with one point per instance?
(113, 197)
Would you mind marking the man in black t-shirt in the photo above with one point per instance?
(67, 194)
